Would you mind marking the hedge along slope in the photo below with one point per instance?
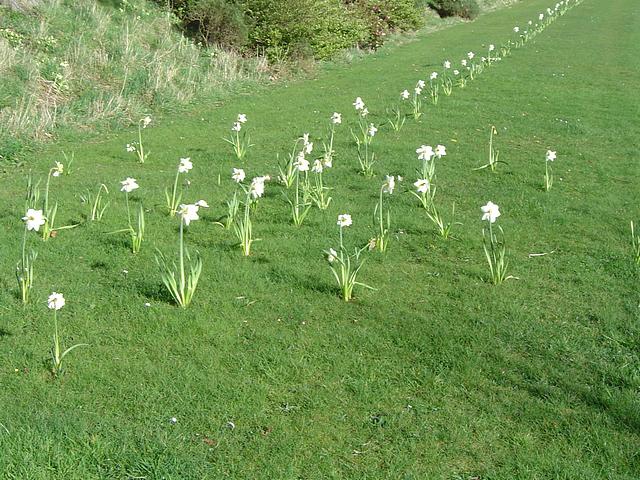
(290, 28)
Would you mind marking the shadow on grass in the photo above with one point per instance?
(155, 291)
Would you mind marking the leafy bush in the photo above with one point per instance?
(285, 28)
(459, 8)
(218, 22)
(296, 28)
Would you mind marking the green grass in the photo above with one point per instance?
(437, 374)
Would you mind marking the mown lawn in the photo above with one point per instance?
(437, 373)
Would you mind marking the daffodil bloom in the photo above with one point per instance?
(58, 170)
(185, 165)
(470, 55)
(417, 90)
(440, 151)
(317, 166)
(305, 138)
(463, 62)
(421, 84)
(130, 148)
(332, 255)
(237, 126)
(447, 64)
(364, 112)
(490, 212)
(308, 147)
(302, 165)
(55, 301)
(422, 185)
(242, 118)
(257, 187)
(202, 204)
(129, 185)
(516, 29)
(425, 152)
(188, 213)
(405, 94)
(372, 130)
(492, 47)
(327, 162)
(336, 118)
(456, 72)
(34, 219)
(358, 104)
(238, 175)
(551, 156)
(433, 75)
(389, 184)
(344, 220)
(146, 121)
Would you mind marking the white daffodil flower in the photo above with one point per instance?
(422, 185)
(336, 118)
(257, 187)
(202, 204)
(188, 213)
(237, 126)
(130, 148)
(551, 156)
(372, 130)
(516, 29)
(447, 64)
(55, 301)
(129, 185)
(185, 165)
(433, 75)
(425, 152)
(405, 94)
(470, 55)
(58, 170)
(492, 47)
(440, 151)
(463, 62)
(317, 166)
(146, 121)
(34, 219)
(302, 164)
(490, 212)
(242, 118)
(238, 175)
(344, 220)
(421, 84)
(332, 255)
(389, 184)
(358, 104)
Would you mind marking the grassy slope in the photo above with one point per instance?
(535, 379)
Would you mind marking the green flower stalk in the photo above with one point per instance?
(55, 302)
(494, 249)
(180, 282)
(24, 269)
(239, 143)
(345, 267)
(173, 199)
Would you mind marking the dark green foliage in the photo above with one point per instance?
(216, 22)
(456, 8)
(283, 29)
(290, 28)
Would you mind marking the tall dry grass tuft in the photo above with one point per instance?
(83, 64)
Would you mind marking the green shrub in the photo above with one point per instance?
(468, 9)
(218, 22)
(286, 28)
